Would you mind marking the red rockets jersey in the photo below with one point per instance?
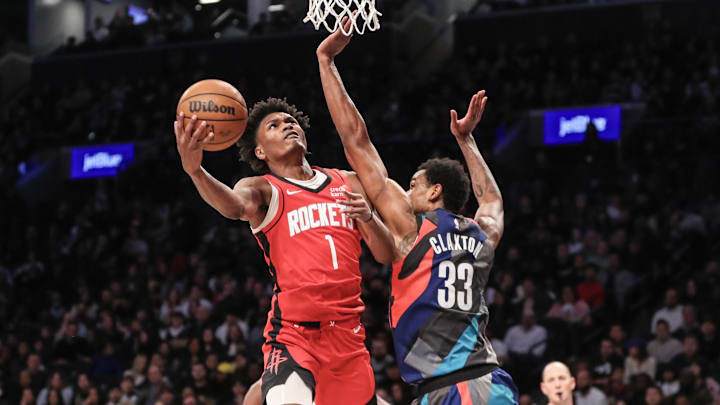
(312, 251)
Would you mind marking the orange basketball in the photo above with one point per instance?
(219, 104)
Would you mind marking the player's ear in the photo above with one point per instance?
(435, 192)
(542, 388)
(572, 383)
(259, 152)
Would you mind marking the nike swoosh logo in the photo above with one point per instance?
(294, 192)
(356, 330)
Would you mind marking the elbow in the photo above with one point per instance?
(233, 213)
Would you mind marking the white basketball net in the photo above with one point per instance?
(331, 12)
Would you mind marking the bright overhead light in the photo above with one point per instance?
(276, 7)
(208, 1)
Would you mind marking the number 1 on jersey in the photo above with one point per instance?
(332, 251)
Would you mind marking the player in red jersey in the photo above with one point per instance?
(308, 222)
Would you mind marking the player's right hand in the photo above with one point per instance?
(335, 42)
(463, 128)
(190, 142)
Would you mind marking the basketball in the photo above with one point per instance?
(219, 104)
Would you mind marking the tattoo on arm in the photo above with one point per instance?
(406, 243)
(489, 187)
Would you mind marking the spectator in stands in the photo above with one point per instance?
(664, 347)
(570, 309)
(586, 393)
(173, 304)
(177, 334)
(689, 354)
(638, 361)
(127, 389)
(200, 384)
(156, 385)
(114, 396)
(653, 396)
(618, 338)
(529, 298)
(24, 383)
(235, 341)
(590, 290)
(106, 365)
(82, 389)
(689, 325)
(622, 280)
(28, 398)
(36, 370)
(56, 385)
(669, 384)
(137, 371)
(616, 386)
(380, 359)
(693, 387)
(709, 340)
(604, 363)
(528, 338)
(70, 347)
(672, 312)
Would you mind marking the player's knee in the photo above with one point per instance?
(293, 392)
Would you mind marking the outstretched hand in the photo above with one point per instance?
(335, 42)
(463, 128)
(190, 140)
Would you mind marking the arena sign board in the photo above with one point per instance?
(569, 125)
(100, 161)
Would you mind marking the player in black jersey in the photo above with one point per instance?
(442, 259)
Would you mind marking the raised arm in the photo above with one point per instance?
(386, 195)
(490, 214)
(242, 202)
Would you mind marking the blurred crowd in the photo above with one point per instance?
(130, 291)
(503, 5)
(178, 21)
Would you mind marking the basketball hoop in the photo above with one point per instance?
(331, 12)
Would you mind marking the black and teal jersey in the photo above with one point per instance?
(437, 309)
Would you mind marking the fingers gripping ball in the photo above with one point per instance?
(219, 104)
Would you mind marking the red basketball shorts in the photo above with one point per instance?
(329, 357)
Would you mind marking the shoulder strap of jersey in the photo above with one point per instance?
(276, 207)
(334, 174)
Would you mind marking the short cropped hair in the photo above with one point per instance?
(450, 174)
(260, 110)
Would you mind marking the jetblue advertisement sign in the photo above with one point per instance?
(569, 126)
(100, 161)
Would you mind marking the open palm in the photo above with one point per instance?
(463, 127)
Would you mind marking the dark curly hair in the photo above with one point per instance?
(260, 110)
(450, 174)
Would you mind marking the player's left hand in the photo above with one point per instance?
(355, 206)
(464, 127)
(335, 42)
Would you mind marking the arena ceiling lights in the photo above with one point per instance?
(204, 2)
